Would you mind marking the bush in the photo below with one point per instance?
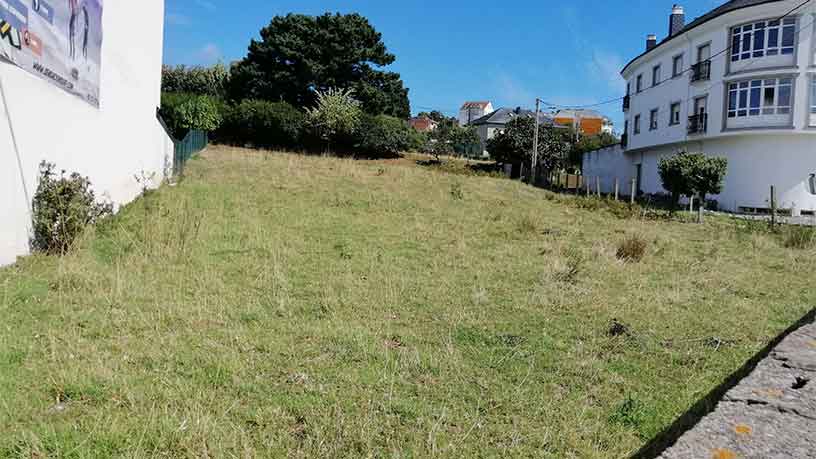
(62, 208)
(689, 174)
(183, 112)
(632, 249)
(263, 124)
(384, 135)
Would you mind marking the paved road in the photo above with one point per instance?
(770, 414)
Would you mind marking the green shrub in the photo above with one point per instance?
(384, 135)
(632, 249)
(183, 112)
(62, 208)
(263, 124)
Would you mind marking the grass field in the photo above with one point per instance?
(276, 305)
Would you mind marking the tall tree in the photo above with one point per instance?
(299, 55)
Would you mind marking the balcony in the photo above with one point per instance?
(698, 124)
(627, 99)
(701, 71)
(624, 140)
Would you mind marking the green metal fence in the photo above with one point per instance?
(193, 142)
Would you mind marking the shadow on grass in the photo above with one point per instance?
(707, 404)
(463, 167)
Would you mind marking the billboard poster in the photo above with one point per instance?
(59, 41)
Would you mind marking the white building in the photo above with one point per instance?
(109, 144)
(472, 111)
(738, 82)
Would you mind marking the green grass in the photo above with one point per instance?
(275, 305)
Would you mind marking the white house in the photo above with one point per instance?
(86, 105)
(739, 82)
(472, 111)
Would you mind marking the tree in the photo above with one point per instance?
(200, 81)
(449, 138)
(515, 144)
(674, 173)
(299, 55)
(693, 173)
(336, 113)
(434, 115)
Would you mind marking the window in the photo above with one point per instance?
(760, 97)
(639, 83)
(653, 119)
(656, 75)
(675, 114)
(677, 66)
(626, 124)
(637, 124)
(763, 38)
(628, 88)
(703, 53)
(813, 96)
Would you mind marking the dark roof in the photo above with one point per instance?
(504, 115)
(727, 7)
(478, 104)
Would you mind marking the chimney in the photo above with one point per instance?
(677, 20)
(651, 42)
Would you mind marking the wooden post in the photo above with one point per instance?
(773, 207)
(700, 209)
(617, 187)
(598, 185)
(634, 192)
(691, 204)
(586, 183)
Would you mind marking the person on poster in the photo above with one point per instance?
(73, 6)
(86, 31)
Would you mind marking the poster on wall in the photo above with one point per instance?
(59, 41)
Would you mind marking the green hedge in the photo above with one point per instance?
(263, 124)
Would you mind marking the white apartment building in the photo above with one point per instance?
(738, 82)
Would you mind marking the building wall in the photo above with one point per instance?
(610, 164)
(589, 126)
(680, 89)
(110, 145)
(754, 165)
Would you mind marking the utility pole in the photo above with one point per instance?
(534, 171)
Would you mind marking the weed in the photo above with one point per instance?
(798, 237)
(632, 249)
(456, 191)
(573, 268)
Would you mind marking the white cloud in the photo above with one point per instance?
(512, 92)
(206, 4)
(209, 54)
(606, 66)
(177, 19)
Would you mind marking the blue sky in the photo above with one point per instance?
(451, 51)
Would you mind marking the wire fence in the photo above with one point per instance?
(183, 150)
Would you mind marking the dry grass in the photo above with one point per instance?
(275, 305)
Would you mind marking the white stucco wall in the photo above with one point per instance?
(609, 164)
(755, 163)
(110, 145)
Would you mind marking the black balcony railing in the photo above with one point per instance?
(701, 71)
(624, 140)
(698, 124)
(627, 99)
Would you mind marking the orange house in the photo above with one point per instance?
(590, 121)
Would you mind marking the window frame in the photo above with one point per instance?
(699, 54)
(679, 106)
(748, 98)
(639, 83)
(812, 95)
(743, 39)
(656, 75)
(636, 123)
(675, 71)
(654, 115)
